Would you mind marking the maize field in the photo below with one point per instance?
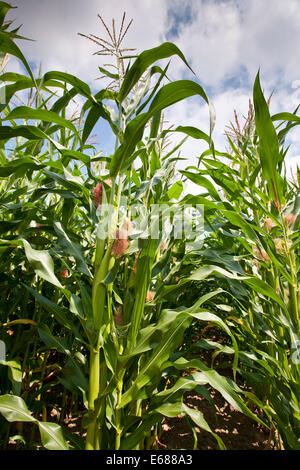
(120, 290)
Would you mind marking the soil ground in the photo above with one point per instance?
(237, 431)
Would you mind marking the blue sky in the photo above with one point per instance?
(177, 18)
(225, 41)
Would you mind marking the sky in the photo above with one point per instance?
(226, 42)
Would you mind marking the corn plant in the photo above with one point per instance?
(92, 294)
(254, 232)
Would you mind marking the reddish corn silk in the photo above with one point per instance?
(64, 273)
(290, 219)
(269, 224)
(150, 296)
(277, 205)
(98, 192)
(287, 292)
(119, 320)
(163, 246)
(119, 317)
(265, 255)
(261, 254)
(121, 243)
(281, 245)
(135, 261)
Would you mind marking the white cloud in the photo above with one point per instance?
(54, 26)
(230, 37)
(194, 112)
(226, 41)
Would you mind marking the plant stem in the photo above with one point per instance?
(118, 414)
(293, 270)
(94, 381)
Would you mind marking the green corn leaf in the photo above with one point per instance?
(28, 132)
(42, 263)
(132, 440)
(166, 96)
(15, 374)
(52, 436)
(71, 248)
(175, 91)
(106, 72)
(68, 183)
(9, 90)
(236, 219)
(190, 131)
(97, 111)
(288, 117)
(23, 112)
(204, 315)
(7, 46)
(200, 200)
(172, 410)
(73, 154)
(228, 389)
(14, 77)
(143, 276)
(152, 334)
(4, 8)
(144, 342)
(175, 191)
(153, 367)
(205, 271)
(34, 133)
(169, 395)
(77, 377)
(21, 165)
(13, 408)
(268, 143)
(155, 124)
(154, 69)
(141, 91)
(86, 297)
(78, 306)
(82, 87)
(203, 182)
(198, 418)
(52, 341)
(64, 100)
(263, 288)
(51, 307)
(144, 60)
